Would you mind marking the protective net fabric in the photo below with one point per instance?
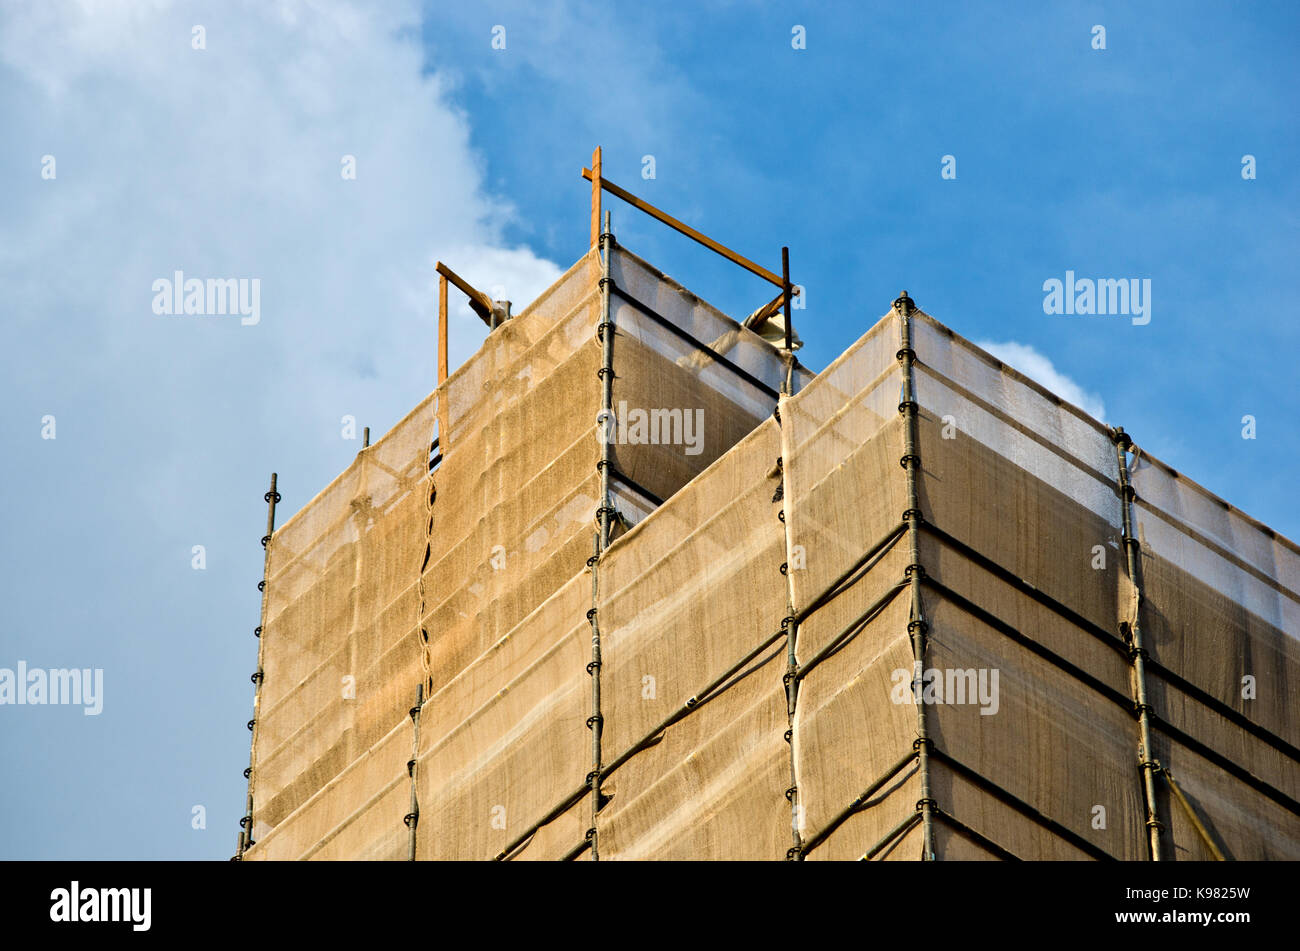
(340, 656)
(1221, 612)
(682, 389)
(1025, 576)
(638, 283)
(505, 741)
(1209, 568)
(344, 648)
(494, 547)
(730, 520)
(713, 785)
(844, 498)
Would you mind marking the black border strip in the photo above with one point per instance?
(1022, 807)
(1168, 729)
(696, 342)
(966, 832)
(636, 487)
(1191, 690)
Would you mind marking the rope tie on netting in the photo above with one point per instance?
(435, 454)
(790, 679)
(412, 818)
(430, 494)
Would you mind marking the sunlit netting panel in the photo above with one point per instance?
(687, 600)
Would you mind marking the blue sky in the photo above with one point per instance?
(1117, 163)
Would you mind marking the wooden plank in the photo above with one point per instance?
(596, 183)
(479, 302)
(685, 229)
(442, 330)
(442, 359)
(768, 310)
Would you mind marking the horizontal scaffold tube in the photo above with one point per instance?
(858, 804)
(858, 568)
(890, 836)
(853, 628)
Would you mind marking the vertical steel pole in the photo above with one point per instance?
(787, 386)
(917, 628)
(246, 823)
(605, 331)
(791, 626)
(595, 721)
(1136, 649)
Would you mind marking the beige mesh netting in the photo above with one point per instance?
(754, 532)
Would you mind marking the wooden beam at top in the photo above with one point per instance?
(596, 183)
(685, 229)
(443, 320)
(768, 310)
(442, 330)
(479, 302)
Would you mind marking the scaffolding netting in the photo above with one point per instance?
(754, 618)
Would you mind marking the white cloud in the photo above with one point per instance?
(1040, 369)
(222, 163)
(225, 162)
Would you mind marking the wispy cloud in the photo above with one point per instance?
(1038, 367)
(222, 162)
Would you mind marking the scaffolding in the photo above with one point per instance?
(621, 649)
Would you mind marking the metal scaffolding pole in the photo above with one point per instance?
(787, 385)
(1137, 652)
(246, 823)
(605, 331)
(917, 628)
